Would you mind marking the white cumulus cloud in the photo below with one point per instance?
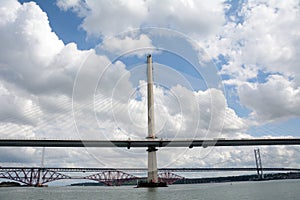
(101, 18)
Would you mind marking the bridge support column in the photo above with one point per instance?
(152, 165)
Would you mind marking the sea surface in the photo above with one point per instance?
(266, 190)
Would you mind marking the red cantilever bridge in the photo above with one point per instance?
(37, 176)
(109, 176)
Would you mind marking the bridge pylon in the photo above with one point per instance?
(258, 162)
(152, 179)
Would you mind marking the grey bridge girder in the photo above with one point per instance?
(199, 169)
(147, 143)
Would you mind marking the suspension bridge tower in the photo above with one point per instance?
(258, 164)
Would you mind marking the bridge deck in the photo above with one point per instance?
(147, 143)
(201, 169)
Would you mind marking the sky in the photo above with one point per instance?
(75, 69)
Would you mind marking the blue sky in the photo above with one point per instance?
(66, 24)
(222, 69)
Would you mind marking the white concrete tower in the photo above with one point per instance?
(152, 161)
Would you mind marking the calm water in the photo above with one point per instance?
(272, 190)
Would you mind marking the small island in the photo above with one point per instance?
(10, 184)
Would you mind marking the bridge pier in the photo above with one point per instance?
(152, 165)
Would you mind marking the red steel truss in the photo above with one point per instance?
(169, 177)
(111, 178)
(32, 176)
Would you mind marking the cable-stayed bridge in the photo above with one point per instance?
(37, 176)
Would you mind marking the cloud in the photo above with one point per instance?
(199, 18)
(33, 62)
(13, 155)
(18, 110)
(275, 99)
(179, 113)
(68, 4)
(261, 42)
(8, 11)
(117, 16)
(27, 48)
(139, 45)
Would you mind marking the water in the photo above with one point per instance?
(267, 190)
